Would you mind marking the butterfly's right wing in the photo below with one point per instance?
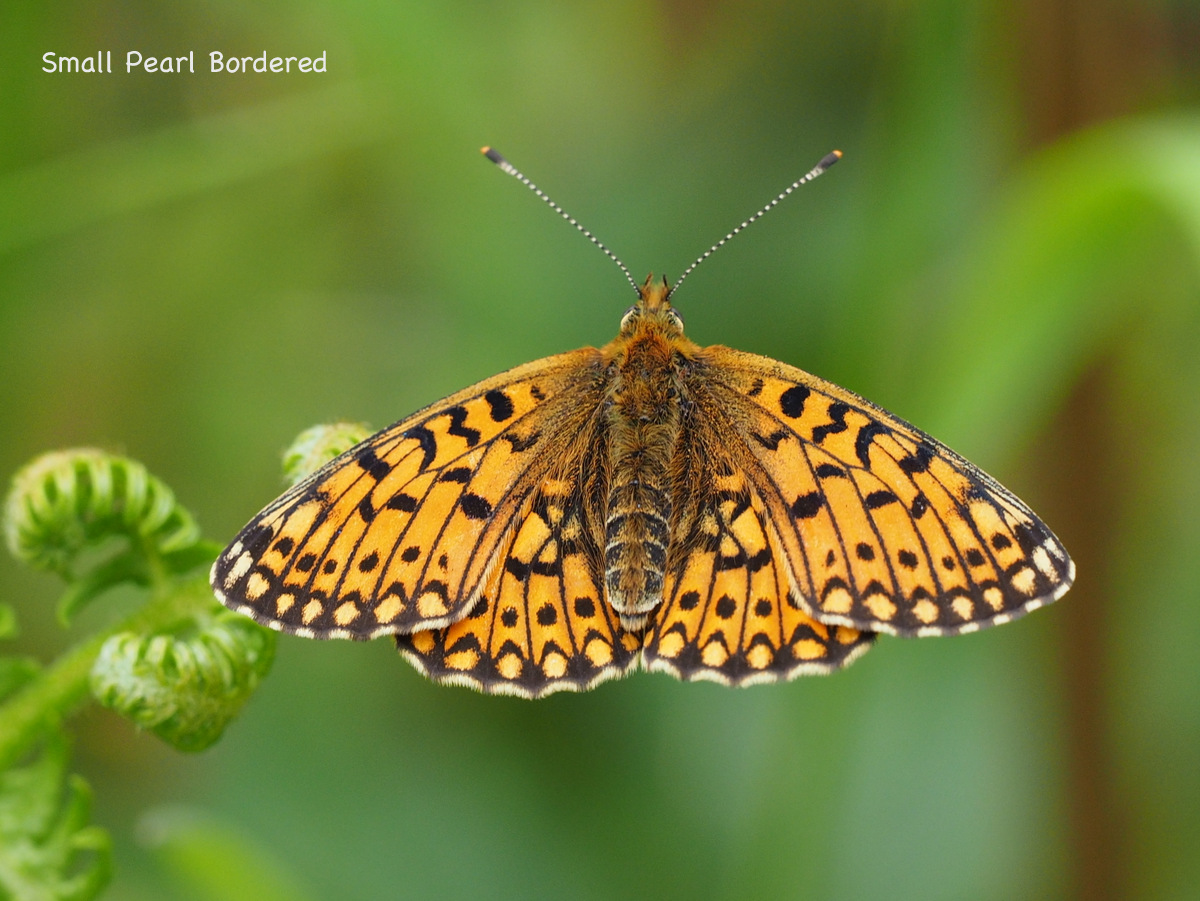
(399, 533)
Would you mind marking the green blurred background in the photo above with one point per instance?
(194, 268)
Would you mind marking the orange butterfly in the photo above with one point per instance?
(701, 511)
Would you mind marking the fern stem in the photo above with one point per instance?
(62, 688)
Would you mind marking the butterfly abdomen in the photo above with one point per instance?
(643, 425)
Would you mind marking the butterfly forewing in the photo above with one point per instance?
(398, 533)
(882, 527)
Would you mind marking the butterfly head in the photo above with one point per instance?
(653, 309)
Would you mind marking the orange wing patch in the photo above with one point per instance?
(729, 614)
(542, 624)
(882, 527)
(397, 533)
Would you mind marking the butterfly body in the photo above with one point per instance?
(698, 510)
(644, 418)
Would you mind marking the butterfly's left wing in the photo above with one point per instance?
(541, 624)
(882, 527)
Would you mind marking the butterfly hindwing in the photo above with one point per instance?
(883, 528)
(397, 533)
(541, 623)
(728, 614)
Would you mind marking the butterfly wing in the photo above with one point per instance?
(398, 534)
(541, 623)
(882, 528)
(729, 614)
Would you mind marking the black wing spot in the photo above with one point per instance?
(770, 442)
(759, 560)
(518, 443)
(371, 464)
(405, 503)
(306, 563)
(975, 557)
(726, 606)
(864, 551)
(877, 499)
(1000, 541)
(918, 461)
(733, 561)
(862, 443)
(365, 510)
(460, 474)
(466, 642)
(369, 562)
(509, 616)
(547, 615)
(755, 389)
(762, 607)
(516, 568)
(920, 505)
(791, 402)
(511, 647)
(948, 563)
(329, 567)
(543, 568)
(689, 600)
(832, 585)
(808, 505)
(474, 507)
(585, 607)
(1029, 536)
(426, 441)
(875, 587)
(907, 559)
(837, 423)
(285, 546)
(258, 540)
(501, 405)
(829, 471)
(458, 416)
(410, 553)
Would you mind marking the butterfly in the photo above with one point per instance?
(699, 511)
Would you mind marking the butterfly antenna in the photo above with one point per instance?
(512, 170)
(827, 161)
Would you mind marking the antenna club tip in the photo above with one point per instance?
(829, 160)
(492, 155)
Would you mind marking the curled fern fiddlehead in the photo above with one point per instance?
(65, 509)
(64, 502)
(185, 684)
(47, 848)
(316, 446)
